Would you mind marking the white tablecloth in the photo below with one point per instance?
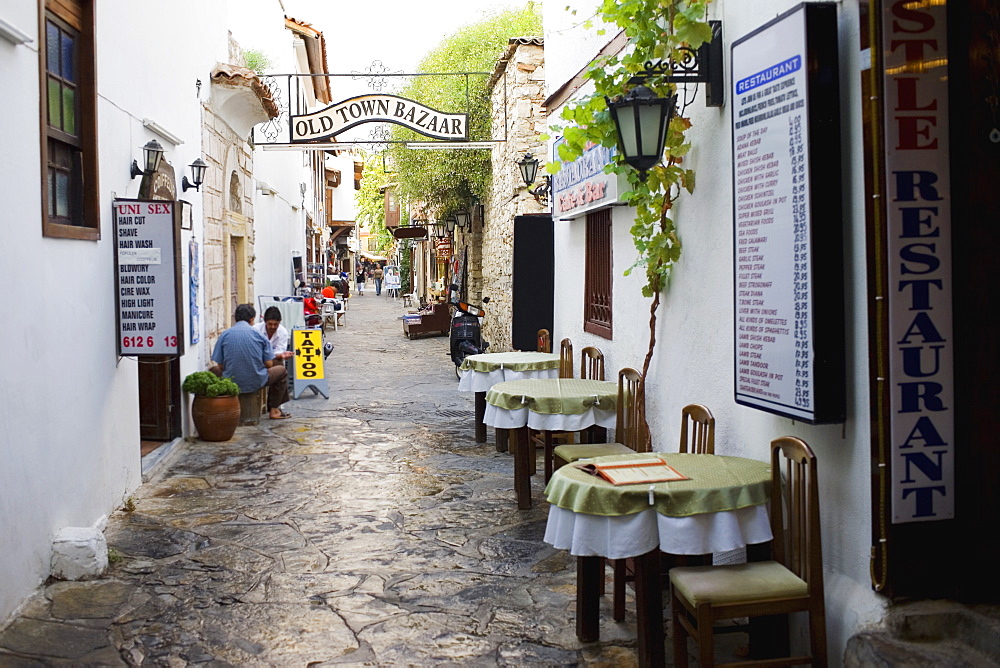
(636, 534)
(502, 418)
(482, 381)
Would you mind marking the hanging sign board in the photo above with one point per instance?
(582, 185)
(147, 277)
(918, 261)
(342, 116)
(789, 306)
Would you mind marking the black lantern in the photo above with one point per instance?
(451, 222)
(198, 168)
(152, 153)
(462, 218)
(641, 119)
(529, 168)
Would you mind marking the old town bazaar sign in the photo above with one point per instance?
(336, 118)
(301, 125)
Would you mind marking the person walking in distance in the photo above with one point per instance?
(377, 274)
(360, 277)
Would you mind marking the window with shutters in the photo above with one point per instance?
(70, 196)
(597, 282)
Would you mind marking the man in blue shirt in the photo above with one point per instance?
(244, 355)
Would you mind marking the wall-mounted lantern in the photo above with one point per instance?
(152, 153)
(529, 172)
(198, 168)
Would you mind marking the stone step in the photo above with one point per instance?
(931, 633)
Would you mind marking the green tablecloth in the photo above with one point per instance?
(717, 484)
(515, 361)
(554, 396)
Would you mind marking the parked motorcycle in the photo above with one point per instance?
(466, 336)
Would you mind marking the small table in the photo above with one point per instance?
(722, 507)
(557, 404)
(483, 371)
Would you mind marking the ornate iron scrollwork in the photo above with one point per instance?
(701, 65)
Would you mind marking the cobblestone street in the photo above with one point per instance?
(369, 528)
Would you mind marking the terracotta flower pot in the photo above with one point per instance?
(215, 418)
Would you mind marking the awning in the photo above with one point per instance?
(372, 256)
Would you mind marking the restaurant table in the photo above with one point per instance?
(722, 507)
(556, 404)
(483, 371)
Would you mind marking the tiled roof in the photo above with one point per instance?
(512, 45)
(234, 75)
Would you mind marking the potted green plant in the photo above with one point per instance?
(216, 406)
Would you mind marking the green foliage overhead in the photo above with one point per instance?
(656, 29)
(257, 60)
(371, 202)
(447, 179)
(207, 384)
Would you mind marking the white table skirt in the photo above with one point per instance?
(636, 534)
(482, 381)
(502, 418)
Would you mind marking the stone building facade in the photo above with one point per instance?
(517, 94)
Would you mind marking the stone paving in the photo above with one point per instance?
(368, 529)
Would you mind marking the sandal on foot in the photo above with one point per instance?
(283, 416)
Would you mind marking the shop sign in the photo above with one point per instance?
(582, 185)
(443, 248)
(342, 116)
(789, 307)
(918, 260)
(308, 346)
(147, 277)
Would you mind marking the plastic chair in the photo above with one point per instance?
(329, 313)
(792, 582)
(700, 437)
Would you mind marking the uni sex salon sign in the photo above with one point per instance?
(342, 116)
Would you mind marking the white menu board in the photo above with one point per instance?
(145, 264)
(774, 304)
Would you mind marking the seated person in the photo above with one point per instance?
(244, 355)
(275, 332)
(309, 306)
(329, 292)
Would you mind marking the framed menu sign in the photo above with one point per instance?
(788, 274)
(147, 277)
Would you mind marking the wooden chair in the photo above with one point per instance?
(566, 359)
(591, 363)
(631, 435)
(544, 341)
(792, 582)
(700, 437)
(547, 440)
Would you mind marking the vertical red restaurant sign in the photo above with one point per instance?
(918, 220)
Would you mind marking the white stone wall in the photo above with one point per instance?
(516, 98)
(69, 449)
(693, 362)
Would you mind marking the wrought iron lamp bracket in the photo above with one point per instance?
(701, 65)
(542, 191)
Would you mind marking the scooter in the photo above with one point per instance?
(466, 331)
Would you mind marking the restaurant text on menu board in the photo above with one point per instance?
(786, 190)
(147, 278)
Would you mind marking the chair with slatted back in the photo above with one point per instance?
(548, 439)
(697, 430)
(631, 435)
(792, 582)
(544, 341)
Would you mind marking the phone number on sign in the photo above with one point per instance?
(147, 341)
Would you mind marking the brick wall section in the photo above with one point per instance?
(520, 94)
(224, 152)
